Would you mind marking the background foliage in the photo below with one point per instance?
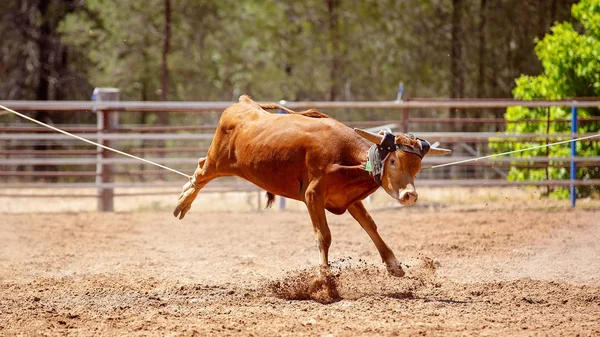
(293, 50)
(571, 68)
(310, 50)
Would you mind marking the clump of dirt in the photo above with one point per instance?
(424, 270)
(307, 284)
(428, 263)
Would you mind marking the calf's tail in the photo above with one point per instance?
(270, 200)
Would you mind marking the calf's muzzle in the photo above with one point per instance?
(408, 198)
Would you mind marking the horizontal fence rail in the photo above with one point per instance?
(488, 136)
(250, 187)
(167, 161)
(33, 157)
(135, 106)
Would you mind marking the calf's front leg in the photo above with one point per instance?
(360, 214)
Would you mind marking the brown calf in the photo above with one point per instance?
(310, 157)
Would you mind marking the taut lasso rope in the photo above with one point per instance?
(93, 143)
(510, 152)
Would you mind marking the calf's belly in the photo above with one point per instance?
(277, 183)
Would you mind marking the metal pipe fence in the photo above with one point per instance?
(63, 162)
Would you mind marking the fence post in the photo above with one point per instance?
(106, 120)
(404, 120)
(400, 92)
(573, 155)
(282, 202)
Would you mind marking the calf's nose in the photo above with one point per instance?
(408, 198)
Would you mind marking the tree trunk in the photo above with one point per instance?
(44, 48)
(457, 85)
(542, 13)
(164, 75)
(478, 113)
(457, 88)
(61, 65)
(482, 46)
(553, 12)
(334, 34)
(43, 85)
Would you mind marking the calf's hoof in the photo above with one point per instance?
(180, 210)
(185, 200)
(395, 269)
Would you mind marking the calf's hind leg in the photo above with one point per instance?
(201, 177)
(316, 209)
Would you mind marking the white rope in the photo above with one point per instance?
(93, 143)
(510, 152)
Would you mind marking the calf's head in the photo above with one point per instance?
(400, 160)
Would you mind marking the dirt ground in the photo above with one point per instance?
(494, 268)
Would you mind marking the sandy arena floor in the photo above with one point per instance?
(497, 269)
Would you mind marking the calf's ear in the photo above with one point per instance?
(372, 137)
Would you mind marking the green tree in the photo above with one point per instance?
(571, 68)
(34, 61)
(293, 50)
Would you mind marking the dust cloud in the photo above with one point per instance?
(351, 280)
